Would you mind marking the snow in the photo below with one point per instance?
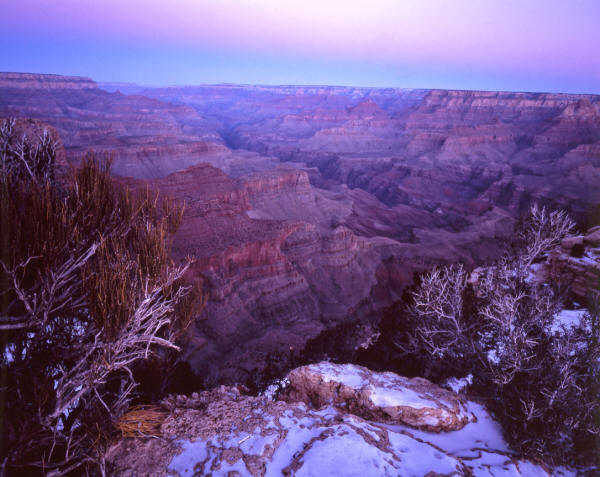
(385, 389)
(9, 356)
(459, 384)
(589, 258)
(493, 357)
(346, 453)
(193, 452)
(485, 433)
(419, 458)
(273, 389)
(534, 272)
(301, 441)
(306, 442)
(390, 397)
(318, 444)
(349, 375)
(566, 319)
(254, 444)
(498, 465)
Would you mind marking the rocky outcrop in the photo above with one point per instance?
(383, 397)
(578, 260)
(223, 432)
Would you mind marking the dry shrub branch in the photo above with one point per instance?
(88, 291)
(540, 380)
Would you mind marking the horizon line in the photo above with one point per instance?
(288, 85)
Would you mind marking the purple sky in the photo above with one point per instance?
(532, 45)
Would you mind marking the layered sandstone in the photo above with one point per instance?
(282, 260)
(146, 138)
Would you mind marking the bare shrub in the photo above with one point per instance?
(541, 232)
(438, 302)
(88, 291)
(540, 381)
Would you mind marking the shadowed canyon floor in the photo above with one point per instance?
(308, 206)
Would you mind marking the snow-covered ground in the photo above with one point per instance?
(231, 434)
(323, 443)
(276, 438)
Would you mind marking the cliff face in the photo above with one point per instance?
(147, 138)
(449, 148)
(308, 206)
(428, 149)
(283, 260)
(41, 81)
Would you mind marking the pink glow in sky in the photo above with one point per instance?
(529, 38)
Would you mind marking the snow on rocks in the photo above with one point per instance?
(385, 397)
(458, 384)
(225, 433)
(566, 319)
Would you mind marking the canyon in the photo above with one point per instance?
(307, 207)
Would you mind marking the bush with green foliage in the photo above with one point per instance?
(88, 291)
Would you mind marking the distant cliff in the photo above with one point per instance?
(42, 81)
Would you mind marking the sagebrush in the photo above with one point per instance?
(89, 290)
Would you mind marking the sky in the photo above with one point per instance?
(514, 45)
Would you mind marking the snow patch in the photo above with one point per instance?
(389, 397)
(589, 258)
(184, 463)
(347, 375)
(458, 384)
(485, 433)
(566, 319)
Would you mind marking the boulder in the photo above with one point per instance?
(571, 241)
(384, 397)
(578, 260)
(592, 238)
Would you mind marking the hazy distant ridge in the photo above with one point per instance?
(45, 81)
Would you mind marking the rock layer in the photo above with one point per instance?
(44, 82)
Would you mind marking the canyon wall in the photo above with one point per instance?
(311, 206)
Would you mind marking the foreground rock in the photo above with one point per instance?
(385, 397)
(224, 433)
(578, 259)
